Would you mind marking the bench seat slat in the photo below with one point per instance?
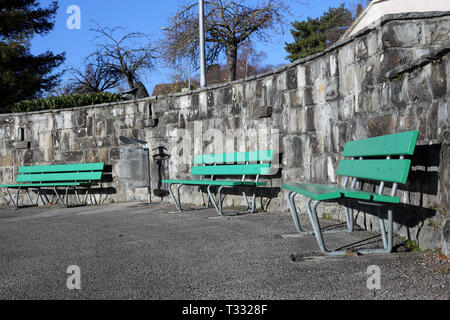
(363, 195)
(56, 184)
(316, 192)
(63, 176)
(62, 168)
(215, 182)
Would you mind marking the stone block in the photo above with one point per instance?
(6, 159)
(159, 107)
(293, 153)
(382, 125)
(210, 99)
(91, 156)
(72, 156)
(226, 95)
(331, 90)
(446, 238)
(88, 143)
(171, 117)
(438, 80)
(361, 50)
(195, 100)
(291, 79)
(401, 34)
(392, 58)
(262, 112)
(308, 96)
(150, 123)
(21, 144)
(436, 32)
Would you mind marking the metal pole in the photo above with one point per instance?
(189, 74)
(202, 44)
(149, 186)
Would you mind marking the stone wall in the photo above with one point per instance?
(393, 76)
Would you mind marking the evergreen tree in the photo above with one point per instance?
(315, 35)
(23, 75)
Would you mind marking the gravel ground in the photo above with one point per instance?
(137, 251)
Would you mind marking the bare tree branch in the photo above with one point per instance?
(128, 56)
(227, 25)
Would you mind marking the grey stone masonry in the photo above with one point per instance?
(392, 76)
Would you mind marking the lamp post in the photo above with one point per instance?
(202, 46)
(202, 43)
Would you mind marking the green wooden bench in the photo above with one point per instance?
(378, 159)
(238, 164)
(68, 176)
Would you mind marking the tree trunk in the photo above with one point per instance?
(231, 62)
(130, 81)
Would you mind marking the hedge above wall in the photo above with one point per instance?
(65, 102)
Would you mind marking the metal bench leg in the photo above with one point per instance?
(290, 199)
(205, 204)
(46, 198)
(38, 196)
(218, 205)
(382, 228)
(349, 217)
(36, 199)
(67, 196)
(387, 239)
(15, 203)
(91, 195)
(52, 199)
(29, 197)
(292, 208)
(252, 208)
(59, 197)
(246, 201)
(312, 213)
(78, 197)
(86, 196)
(177, 203)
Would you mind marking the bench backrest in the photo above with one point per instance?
(83, 172)
(367, 157)
(235, 163)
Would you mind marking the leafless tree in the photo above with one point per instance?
(95, 77)
(228, 24)
(129, 55)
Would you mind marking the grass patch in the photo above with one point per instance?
(412, 245)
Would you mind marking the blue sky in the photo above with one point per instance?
(147, 16)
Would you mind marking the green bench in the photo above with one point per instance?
(378, 159)
(238, 164)
(68, 176)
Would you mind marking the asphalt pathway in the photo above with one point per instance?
(138, 251)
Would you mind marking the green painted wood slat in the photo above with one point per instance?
(54, 184)
(316, 192)
(239, 157)
(65, 176)
(238, 169)
(62, 168)
(216, 182)
(402, 143)
(395, 170)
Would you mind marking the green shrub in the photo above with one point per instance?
(64, 102)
